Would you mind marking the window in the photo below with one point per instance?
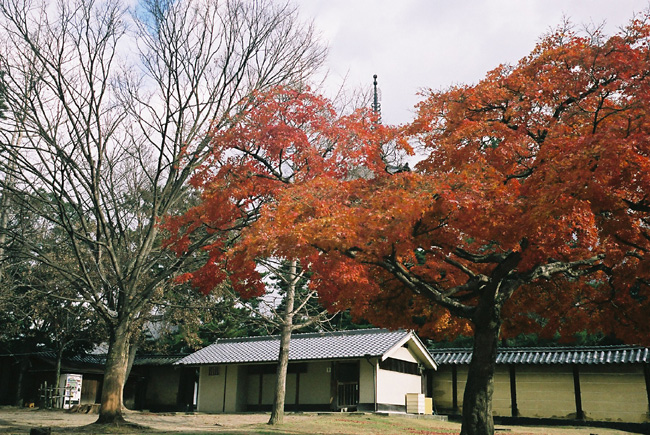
(213, 371)
(397, 365)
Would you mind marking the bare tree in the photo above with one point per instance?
(298, 309)
(113, 109)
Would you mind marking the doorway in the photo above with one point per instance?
(346, 383)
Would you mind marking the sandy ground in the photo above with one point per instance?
(19, 421)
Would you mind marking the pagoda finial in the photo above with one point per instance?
(376, 107)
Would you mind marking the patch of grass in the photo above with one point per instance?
(358, 425)
(299, 425)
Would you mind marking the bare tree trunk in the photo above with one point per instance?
(5, 202)
(4, 218)
(277, 414)
(57, 370)
(114, 377)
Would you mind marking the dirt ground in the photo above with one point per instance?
(19, 421)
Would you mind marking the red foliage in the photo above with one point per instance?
(274, 141)
(534, 195)
(535, 192)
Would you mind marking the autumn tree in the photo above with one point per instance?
(107, 118)
(279, 139)
(529, 212)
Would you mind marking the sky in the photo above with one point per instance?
(417, 44)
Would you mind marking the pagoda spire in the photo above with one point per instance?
(376, 106)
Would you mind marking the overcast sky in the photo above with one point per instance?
(415, 44)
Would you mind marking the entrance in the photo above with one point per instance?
(346, 375)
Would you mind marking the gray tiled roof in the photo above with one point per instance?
(100, 359)
(140, 360)
(83, 358)
(551, 355)
(312, 346)
(156, 360)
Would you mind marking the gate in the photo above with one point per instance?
(347, 394)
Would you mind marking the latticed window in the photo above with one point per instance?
(397, 365)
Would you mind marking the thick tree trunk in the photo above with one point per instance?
(477, 400)
(115, 377)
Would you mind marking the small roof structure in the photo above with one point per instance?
(156, 360)
(551, 355)
(363, 343)
(94, 362)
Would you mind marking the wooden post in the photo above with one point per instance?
(580, 415)
(297, 388)
(513, 392)
(225, 382)
(333, 387)
(454, 387)
(259, 398)
(646, 373)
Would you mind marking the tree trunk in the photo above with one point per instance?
(5, 200)
(22, 369)
(57, 369)
(277, 414)
(477, 400)
(115, 377)
(133, 350)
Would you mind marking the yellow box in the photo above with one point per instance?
(428, 405)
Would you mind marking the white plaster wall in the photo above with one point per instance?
(314, 386)
(609, 392)
(211, 390)
(315, 383)
(290, 394)
(253, 389)
(242, 389)
(403, 354)
(443, 387)
(231, 374)
(545, 391)
(614, 392)
(367, 381)
(268, 389)
(393, 386)
(501, 403)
